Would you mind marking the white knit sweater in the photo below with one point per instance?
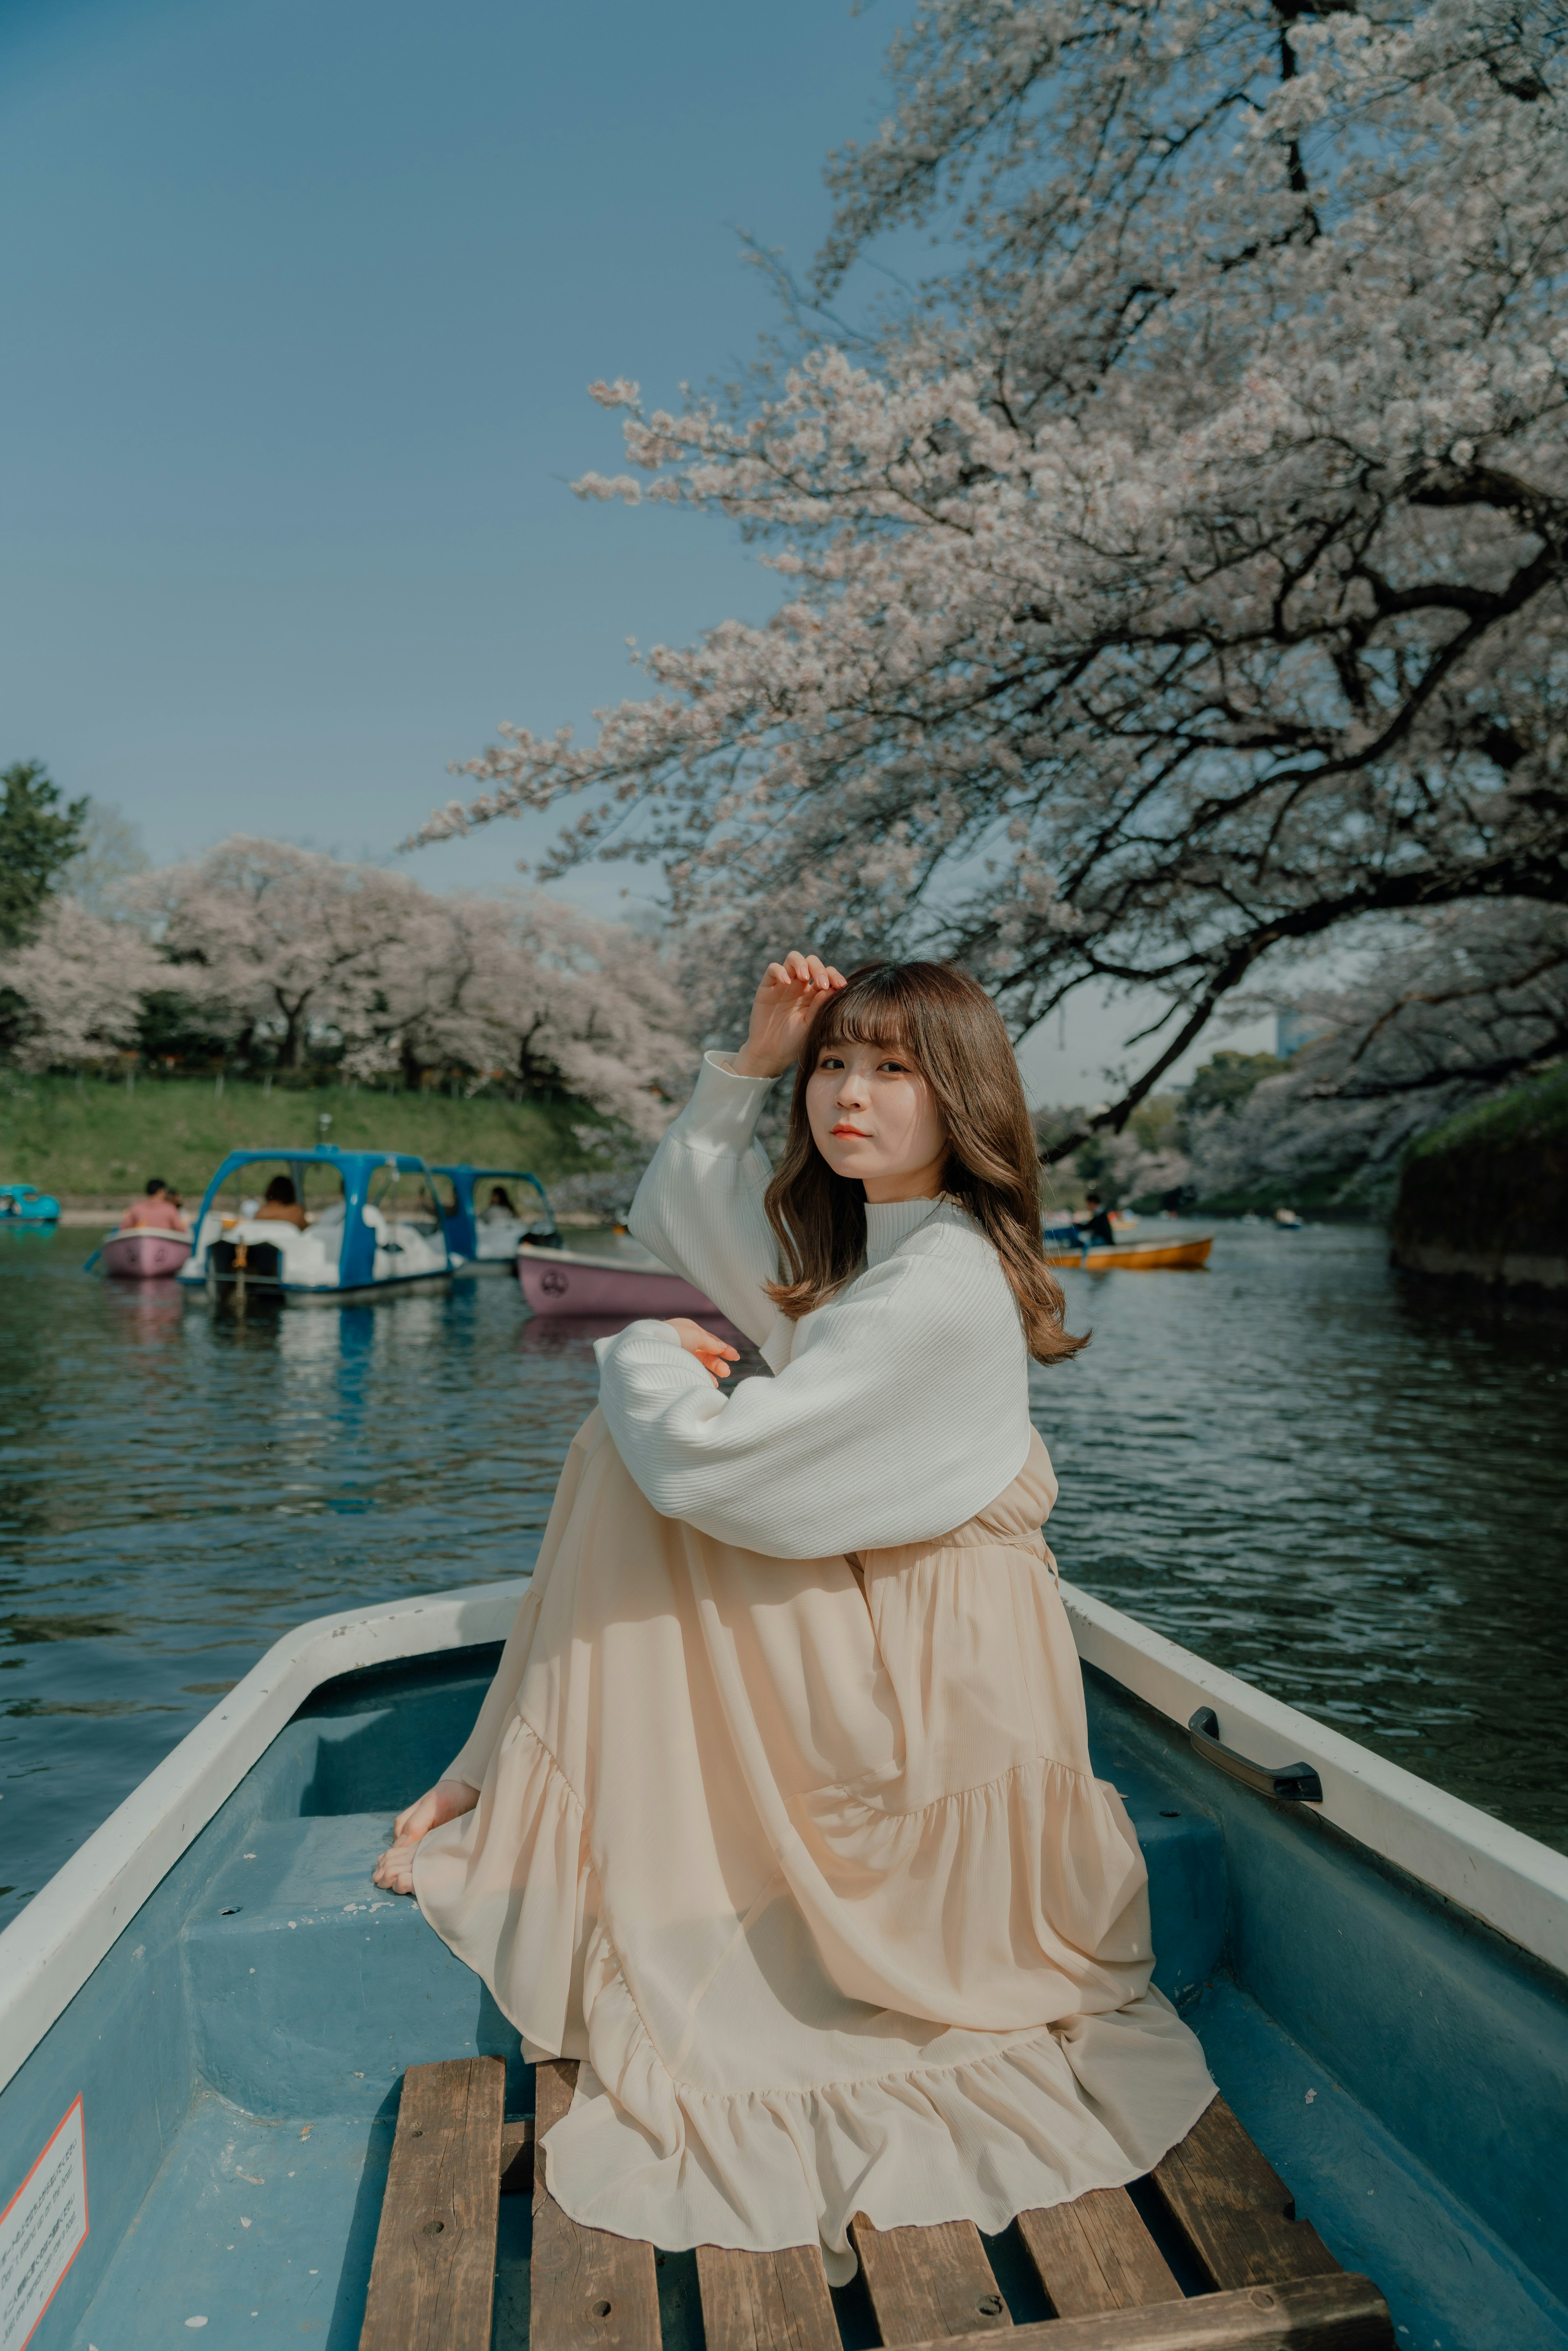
(898, 1410)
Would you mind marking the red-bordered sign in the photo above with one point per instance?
(42, 2230)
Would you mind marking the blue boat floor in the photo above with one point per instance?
(255, 2233)
(1378, 2211)
(258, 2230)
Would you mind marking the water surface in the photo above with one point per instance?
(1349, 1491)
(1346, 1486)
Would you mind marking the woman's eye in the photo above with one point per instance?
(830, 1061)
(900, 1068)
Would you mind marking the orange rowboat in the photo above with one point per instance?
(1139, 1257)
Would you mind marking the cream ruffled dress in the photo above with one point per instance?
(804, 1856)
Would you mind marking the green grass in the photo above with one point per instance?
(95, 1144)
(1535, 1112)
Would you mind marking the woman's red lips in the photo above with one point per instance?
(855, 1131)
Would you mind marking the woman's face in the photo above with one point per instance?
(873, 1118)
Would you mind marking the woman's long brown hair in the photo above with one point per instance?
(948, 1028)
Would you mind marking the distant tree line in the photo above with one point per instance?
(262, 958)
(1457, 1010)
(1159, 1158)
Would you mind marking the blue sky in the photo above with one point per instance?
(300, 303)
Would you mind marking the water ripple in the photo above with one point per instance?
(1343, 1487)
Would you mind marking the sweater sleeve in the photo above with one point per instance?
(699, 1205)
(902, 1412)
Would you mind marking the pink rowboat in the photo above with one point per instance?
(145, 1253)
(574, 1281)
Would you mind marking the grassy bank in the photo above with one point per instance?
(1536, 1111)
(93, 1143)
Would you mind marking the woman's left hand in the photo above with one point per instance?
(712, 1353)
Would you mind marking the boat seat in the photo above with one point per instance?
(1108, 2269)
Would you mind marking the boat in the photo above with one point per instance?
(24, 1204)
(488, 1243)
(143, 1252)
(1130, 1256)
(238, 2082)
(378, 1231)
(624, 1286)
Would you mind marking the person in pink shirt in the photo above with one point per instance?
(157, 1209)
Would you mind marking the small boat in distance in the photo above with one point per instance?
(24, 1204)
(482, 1232)
(1132, 1257)
(145, 1253)
(628, 1284)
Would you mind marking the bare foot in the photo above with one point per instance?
(447, 1801)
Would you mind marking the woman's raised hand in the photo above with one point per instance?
(712, 1353)
(781, 1012)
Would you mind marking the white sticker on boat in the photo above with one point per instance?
(42, 2230)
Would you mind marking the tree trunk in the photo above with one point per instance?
(292, 1052)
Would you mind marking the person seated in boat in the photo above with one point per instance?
(158, 1210)
(1096, 1227)
(779, 1810)
(280, 1204)
(498, 1209)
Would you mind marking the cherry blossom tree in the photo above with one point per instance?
(284, 940)
(284, 946)
(1178, 582)
(74, 991)
(539, 995)
(1472, 998)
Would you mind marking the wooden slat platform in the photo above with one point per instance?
(766, 2301)
(1235, 2211)
(585, 2285)
(1275, 2286)
(1096, 2255)
(432, 2280)
(927, 2285)
(1325, 2313)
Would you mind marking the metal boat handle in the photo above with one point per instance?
(1292, 1783)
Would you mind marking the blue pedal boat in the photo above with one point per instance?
(484, 1237)
(24, 1204)
(207, 2017)
(377, 1229)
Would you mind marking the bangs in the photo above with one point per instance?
(865, 1028)
(866, 1012)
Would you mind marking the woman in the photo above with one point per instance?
(281, 1205)
(779, 1813)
